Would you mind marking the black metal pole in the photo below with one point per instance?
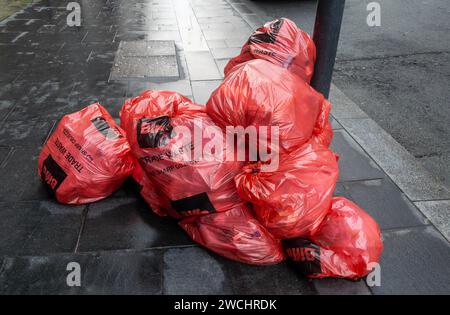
(326, 37)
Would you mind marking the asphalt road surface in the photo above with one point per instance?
(398, 73)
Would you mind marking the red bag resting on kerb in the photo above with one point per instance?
(258, 93)
(194, 185)
(235, 234)
(149, 191)
(347, 245)
(293, 200)
(86, 158)
(282, 43)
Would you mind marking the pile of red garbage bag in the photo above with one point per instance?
(274, 202)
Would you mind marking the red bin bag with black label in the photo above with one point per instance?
(235, 234)
(182, 152)
(282, 43)
(260, 94)
(347, 245)
(86, 158)
(292, 200)
(149, 192)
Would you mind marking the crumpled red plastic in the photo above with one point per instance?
(149, 191)
(282, 43)
(86, 158)
(293, 200)
(347, 244)
(236, 235)
(259, 93)
(194, 185)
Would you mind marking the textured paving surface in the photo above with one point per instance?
(48, 69)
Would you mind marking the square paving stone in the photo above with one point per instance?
(194, 271)
(164, 35)
(221, 63)
(5, 107)
(30, 228)
(223, 53)
(414, 261)
(4, 152)
(385, 202)
(129, 68)
(354, 163)
(335, 124)
(146, 48)
(29, 134)
(276, 279)
(19, 176)
(128, 223)
(202, 90)
(438, 212)
(101, 273)
(202, 66)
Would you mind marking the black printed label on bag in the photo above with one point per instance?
(105, 129)
(305, 254)
(52, 174)
(269, 36)
(197, 204)
(152, 133)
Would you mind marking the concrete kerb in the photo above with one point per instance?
(430, 196)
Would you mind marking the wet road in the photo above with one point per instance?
(398, 73)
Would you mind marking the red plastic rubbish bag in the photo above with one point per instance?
(293, 200)
(282, 43)
(86, 158)
(347, 245)
(236, 235)
(182, 152)
(323, 132)
(260, 94)
(154, 198)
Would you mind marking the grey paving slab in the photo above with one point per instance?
(104, 273)
(403, 168)
(146, 48)
(213, 12)
(30, 228)
(202, 66)
(276, 279)
(385, 203)
(190, 30)
(221, 63)
(335, 124)
(223, 34)
(128, 223)
(217, 43)
(164, 35)
(4, 153)
(223, 53)
(414, 261)
(202, 90)
(342, 106)
(237, 42)
(5, 107)
(438, 212)
(253, 20)
(331, 286)
(29, 134)
(128, 68)
(20, 172)
(194, 271)
(181, 86)
(354, 163)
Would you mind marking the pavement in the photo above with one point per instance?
(49, 69)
